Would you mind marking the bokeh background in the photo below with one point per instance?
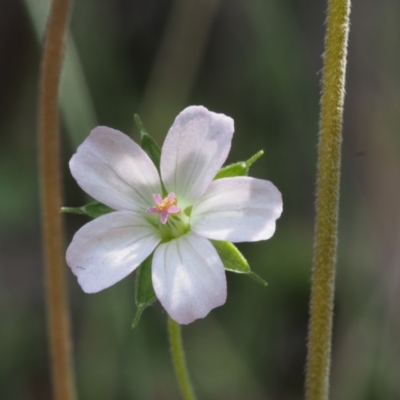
(258, 61)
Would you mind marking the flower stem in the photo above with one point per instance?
(325, 242)
(53, 235)
(178, 358)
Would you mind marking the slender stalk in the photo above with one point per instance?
(178, 358)
(325, 244)
(53, 235)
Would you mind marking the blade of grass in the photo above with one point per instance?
(75, 100)
(177, 62)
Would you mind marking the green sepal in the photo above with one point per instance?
(234, 260)
(92, 210)
(238, 169)
(231, 257)
(257, 278)
(147, 143)
(144, 292)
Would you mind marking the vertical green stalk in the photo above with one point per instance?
(178, 358)
(53, 237)
(325, 242)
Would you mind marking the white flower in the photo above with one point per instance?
(187, 273)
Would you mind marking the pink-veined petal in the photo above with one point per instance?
(188, 278)
(194, 150)
(240, 209)
(107, 249)
(114, 170)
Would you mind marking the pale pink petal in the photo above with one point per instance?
(153, 210)
(194, 150)
(188, 278)
(240, 209)
(109, 248)
(114, 170)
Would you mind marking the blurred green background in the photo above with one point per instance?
(258, 61)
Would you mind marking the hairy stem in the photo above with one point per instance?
(178, 358)
(53, 235)
(325, 242)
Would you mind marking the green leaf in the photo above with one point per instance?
(148, 144)
(234, 261)
(238, 169)
(144, 292)
(92, 210)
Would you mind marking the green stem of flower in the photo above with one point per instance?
(325, 242)
(53, 232)
(178, 358)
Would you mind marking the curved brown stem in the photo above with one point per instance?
(53, 232)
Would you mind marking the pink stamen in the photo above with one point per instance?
(171, 198)
(164, 217)
(164, 207)
(158, 199)
(174, 210)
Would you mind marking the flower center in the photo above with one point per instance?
(173, 221)
(164, 207)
